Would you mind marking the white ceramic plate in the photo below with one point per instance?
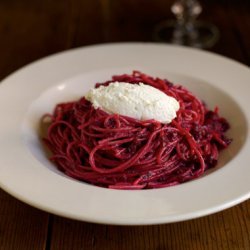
(26, 95)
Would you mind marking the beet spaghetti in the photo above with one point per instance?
(115, 151)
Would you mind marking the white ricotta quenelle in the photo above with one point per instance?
(138, 101)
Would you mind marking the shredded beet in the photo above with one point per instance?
(115, 151)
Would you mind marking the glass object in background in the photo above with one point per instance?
(186, 30)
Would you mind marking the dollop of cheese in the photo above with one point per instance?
(139, 101)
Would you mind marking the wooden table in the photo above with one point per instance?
(33, 29)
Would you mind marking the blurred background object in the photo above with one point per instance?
(185, 29)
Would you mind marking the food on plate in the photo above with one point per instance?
(135, 131)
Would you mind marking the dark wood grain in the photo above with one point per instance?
(228, 44)
(33, 29)
(240, 21)
(21, 226)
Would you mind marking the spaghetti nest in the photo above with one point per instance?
(115, 151)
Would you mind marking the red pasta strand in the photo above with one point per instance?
(115, 151)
